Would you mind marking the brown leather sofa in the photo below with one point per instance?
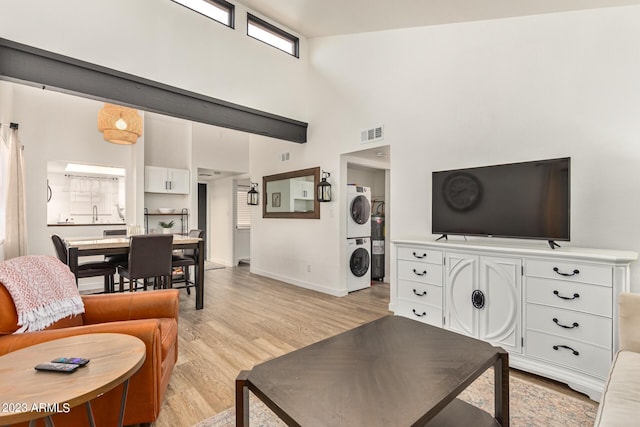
(151, 316)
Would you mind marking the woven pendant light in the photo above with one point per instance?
(119, 125)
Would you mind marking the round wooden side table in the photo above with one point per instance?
(27, 394)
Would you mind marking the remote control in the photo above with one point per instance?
(73, 360)
(57, 367)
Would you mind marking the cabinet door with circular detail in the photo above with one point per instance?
(500, 280)
(461, 279)
(483, 298)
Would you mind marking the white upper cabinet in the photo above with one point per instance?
(166, 180)
(302, 190)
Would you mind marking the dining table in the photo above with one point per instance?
(115, 245)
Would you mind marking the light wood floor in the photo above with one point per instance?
(248, 319)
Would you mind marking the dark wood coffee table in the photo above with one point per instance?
(390, 372)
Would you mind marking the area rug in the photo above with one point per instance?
(531, 405)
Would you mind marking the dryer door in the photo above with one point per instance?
(359, 262)
(360, 209)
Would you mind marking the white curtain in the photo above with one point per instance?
(15, 227)
(4, 181)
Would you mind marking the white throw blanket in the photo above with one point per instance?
(43, 290)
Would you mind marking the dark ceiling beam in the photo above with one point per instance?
(36, 67)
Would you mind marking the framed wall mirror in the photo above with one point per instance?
(291, 194)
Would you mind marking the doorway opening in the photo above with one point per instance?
(367, 172)
(202, 211)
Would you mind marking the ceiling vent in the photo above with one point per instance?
(373, 134)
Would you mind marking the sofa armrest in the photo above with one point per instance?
(145, 329)
(629, 321)
(130, 306)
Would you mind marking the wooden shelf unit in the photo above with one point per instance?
(183, 214)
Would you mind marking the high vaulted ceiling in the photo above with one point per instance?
(317, 18)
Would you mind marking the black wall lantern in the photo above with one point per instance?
(324, 188)
(252, 195)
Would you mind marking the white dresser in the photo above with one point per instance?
(420, 277)
(555, 311)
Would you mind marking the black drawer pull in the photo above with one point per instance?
(424, 313)
(424, 273)
(556, 293)
(557, 347)
(557, 270)
(575, 324)
(421, 294)
(424, 255)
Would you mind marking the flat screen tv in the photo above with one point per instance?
(528, 200)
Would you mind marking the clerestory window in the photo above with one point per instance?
(272, 35)
(218, 10)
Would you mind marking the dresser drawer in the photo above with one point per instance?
(420, 255)
(420, 272)
(572, 296)
(570, 271)
(590, 359)
(421, 312)
(421, 293)
(570, 324)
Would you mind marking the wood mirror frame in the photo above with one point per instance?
(289, 205)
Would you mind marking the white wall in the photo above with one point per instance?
(449, 96)
(221, 222)
(490, 92)
(242, 246)
(304, 252)
(166, 42)
(220, 149)
(168, 144)
(462, 95)
(169, 141)
(56, 126)
(367, 177)
(227, 244)
(241, 236)
(6, 103)
(224, 150)
(6, 112)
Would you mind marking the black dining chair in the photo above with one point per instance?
(119, 259)
(185, 260)
(149, 257)
(87, 269)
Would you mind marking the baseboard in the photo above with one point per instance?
(300, 283)
(224, 262)
(87, 284)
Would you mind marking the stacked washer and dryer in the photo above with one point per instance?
(358, 237)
